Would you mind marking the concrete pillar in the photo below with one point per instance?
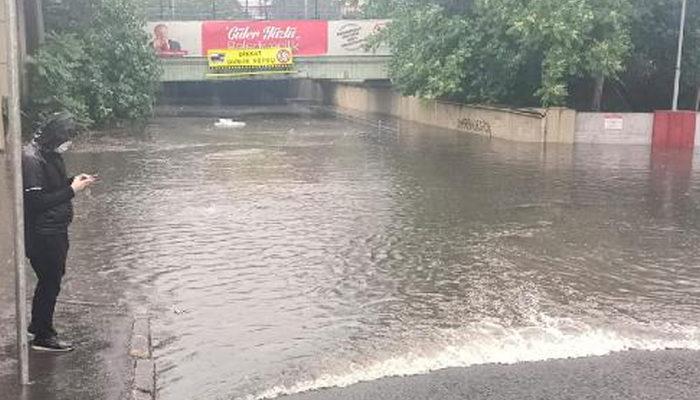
(6, 194)
(3, 63)
(11, 230)
(22, 32)
(559, 125)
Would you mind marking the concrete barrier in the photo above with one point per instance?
(555, 125)
(674, 129)
(607, 128)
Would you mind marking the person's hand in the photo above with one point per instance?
(81, 182)
(161, 44)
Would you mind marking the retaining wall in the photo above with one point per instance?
(624, 128)
(555, 125)
(552, 125)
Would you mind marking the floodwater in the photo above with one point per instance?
(302, 253)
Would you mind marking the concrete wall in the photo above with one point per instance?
(636, 128)
(553, 125)
(3, 63)
(536, 126)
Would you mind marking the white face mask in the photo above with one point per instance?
(64, 147)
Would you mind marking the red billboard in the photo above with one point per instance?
(306, 38)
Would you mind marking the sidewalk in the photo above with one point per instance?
(95, 320)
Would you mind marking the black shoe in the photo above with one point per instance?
(31, 332)
(52, 344)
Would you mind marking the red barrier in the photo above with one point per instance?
(674, 129)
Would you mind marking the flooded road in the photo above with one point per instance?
(297, 254)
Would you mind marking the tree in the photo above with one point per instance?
(461, 54)
(96, 62)
(647, 83)
(587, 38)
(691, 56)
(481, 50)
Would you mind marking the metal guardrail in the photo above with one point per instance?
(184, 10)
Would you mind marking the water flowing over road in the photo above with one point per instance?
(300, 253)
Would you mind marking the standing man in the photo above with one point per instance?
(48, 211)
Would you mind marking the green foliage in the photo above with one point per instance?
(97, 65)
(429, 68)
(437, 55)
(576, 37)
(648, 79)
(691, 60)
(477, 51)
(56, 76)
(530, 51)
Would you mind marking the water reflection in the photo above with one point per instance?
(670, 197)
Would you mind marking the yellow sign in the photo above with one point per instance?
(275, 57)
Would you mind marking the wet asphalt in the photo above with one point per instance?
(634, 375)
(99, 324)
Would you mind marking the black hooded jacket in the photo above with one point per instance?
(47, 192)
(48, 209)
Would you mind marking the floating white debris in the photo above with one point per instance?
(177, 310)
(228, 123)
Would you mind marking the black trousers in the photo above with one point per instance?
(48, 258)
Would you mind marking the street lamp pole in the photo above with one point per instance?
(679, 60)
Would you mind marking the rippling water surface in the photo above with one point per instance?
(300, 253)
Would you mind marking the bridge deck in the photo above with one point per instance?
(342, 68)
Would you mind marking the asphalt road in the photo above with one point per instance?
(634, 375)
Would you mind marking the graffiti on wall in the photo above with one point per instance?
(475, 125)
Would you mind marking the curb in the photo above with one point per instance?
(144, 373)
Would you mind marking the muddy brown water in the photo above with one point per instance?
(303, 253)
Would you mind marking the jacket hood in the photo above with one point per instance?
(58, 129)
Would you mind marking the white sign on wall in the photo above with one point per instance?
(176, 38)
(614, 122)
(349, 37)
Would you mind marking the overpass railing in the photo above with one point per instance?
(188, 10)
